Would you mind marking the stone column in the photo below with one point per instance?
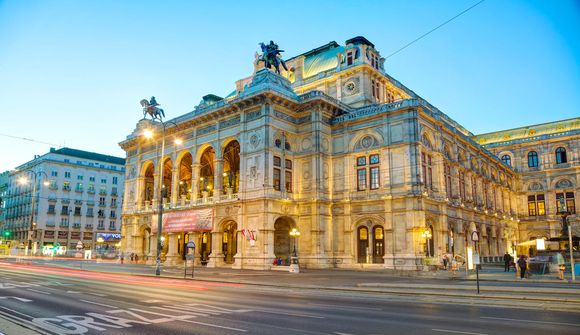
(152, 256)
(216, 251)
(171, 257)
(194, 182)
(218, 178)
(174, 185)
(139, 193)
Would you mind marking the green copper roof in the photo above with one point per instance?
(315, 63)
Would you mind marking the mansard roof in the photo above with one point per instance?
(530, 133)
(88, 155)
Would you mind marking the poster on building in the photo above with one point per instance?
(184, 221)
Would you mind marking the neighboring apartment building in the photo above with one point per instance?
(4, 177)
(547, 160)
(371, 174)
(78, 198)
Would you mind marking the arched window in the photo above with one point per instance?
(561, 156)
(532, 159)
(507, 160)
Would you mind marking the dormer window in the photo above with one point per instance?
(349, 58)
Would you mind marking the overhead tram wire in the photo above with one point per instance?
(432, 30)
(30, 140)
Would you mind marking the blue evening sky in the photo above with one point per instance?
(72, 72)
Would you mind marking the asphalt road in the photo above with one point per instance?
(68, 301)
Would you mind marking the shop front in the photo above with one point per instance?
(108, 245)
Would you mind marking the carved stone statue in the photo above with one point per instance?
(271, 56)
(150, 107)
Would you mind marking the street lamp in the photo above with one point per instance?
(427, 236)
(24, 181)
(567, 229)
(294, 267)
(148, 133)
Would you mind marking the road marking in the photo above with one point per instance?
(73, 292)
(456, 332)
(291, 314)
(532, 321)
(151, 301)
(17, 298)
(38, 291)
(173, 309)
(348, 307)
(97, 294)
(98, 304)
(17, 312)
(337, 333)
(23, 322)
(212, 325)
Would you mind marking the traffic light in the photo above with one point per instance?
(7, 233)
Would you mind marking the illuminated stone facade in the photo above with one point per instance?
(335, 147)
(547, 160)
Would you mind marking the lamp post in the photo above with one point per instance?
(567, 229)
(24, 181)
(294, 267)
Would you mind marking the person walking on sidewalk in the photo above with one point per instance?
(522, 265)
(507, 258)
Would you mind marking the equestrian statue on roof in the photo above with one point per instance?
(150, 107)
(271, 57)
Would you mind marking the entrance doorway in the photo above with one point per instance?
(229, 242)
(378, 245)
(362, 244)
(204, 247)
(282, 241)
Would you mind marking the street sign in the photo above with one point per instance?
(476, 259)
(475, 236)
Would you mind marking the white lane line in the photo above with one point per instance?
(456, 332)
(533, 321)
(38, 291)
(97, 294)
(212, 325)
(17, 312)
(173, 309)
(98, 304)
(291, 314)
(348, 307)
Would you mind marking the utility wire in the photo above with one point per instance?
(31, 140)
(432, 30)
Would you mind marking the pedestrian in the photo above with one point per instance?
(522, 265)
(445, 261)
(507, 258)
(136, 258)
(122, 258)
(132, 257)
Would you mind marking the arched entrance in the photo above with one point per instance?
(282, 240)
(146, 238)
(206, 171)
(378, 245)
(204, 247)
(167, 179)
(362, 244)
(229, 242)
(148, 182)
(185, 176)
(231, 167)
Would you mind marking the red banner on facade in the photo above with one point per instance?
(184, 221)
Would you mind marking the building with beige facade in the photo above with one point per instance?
(547, 160)
(368, 172)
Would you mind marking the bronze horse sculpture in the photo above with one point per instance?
(271, 57)
(150, 107)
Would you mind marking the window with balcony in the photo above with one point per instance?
(51, 209)
(102, 201)
(79, 187)
(101, 213)
(101, 224)
(113, 202)
(66, 186)
(114, 191)
(103, 190)
(89, 211)
(67, 174)
(112, 225)
(64, 210)
(569, 200)
(91, 188)
(536, 205)
(77, 211)
(115, 180)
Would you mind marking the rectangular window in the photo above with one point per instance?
(373, 88)
(103, 181)
(277, 161)
(427, 170)
(79, 177)
(462, 185)
(541, 204)
(447, 171)
(277, 179)
(361, 179)
(113, 214)
(115, 180)
(67, 174)
(374, 159)
(54, 174)
(532, 205)
(91, 178)
(51, 209)
(570, 203)
(288, 164)
(361, 161)
(77, 211)
(375, 183)
(288, 181)
(66, 186)
(349, 58)
(102, 201)
(90, 211)
(64, 210)
(113, 202)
